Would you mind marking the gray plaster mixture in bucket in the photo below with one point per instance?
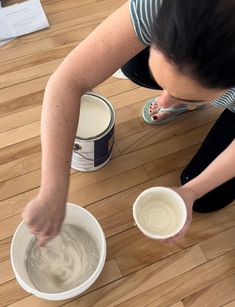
(65, 262)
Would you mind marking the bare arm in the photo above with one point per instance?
(219, 171)
(105, 50)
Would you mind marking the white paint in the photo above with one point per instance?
(159, 212)
(65, 262)
(95, 117)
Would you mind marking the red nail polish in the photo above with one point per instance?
(154, 117)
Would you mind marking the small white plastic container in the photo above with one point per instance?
(75, 215)
(159, 212)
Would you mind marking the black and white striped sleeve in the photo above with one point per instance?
(143, 14)
(227, 100)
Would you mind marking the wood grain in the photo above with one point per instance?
(144, 280)
(219, 244)
(178, 304)
(230, 304)
(215, 295)
(200, 269)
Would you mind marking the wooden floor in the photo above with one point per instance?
(199, 270)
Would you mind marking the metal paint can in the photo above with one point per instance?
(94, 139)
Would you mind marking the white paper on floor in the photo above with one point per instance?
(20, 19)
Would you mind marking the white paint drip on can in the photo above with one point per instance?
(95, 133)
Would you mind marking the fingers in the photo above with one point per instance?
(172, 241)
(44, 234)
(41, 241)
(44, 238)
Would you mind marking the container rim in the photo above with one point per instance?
(181, 204)
(112, 118)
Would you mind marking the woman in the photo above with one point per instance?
(187, 48)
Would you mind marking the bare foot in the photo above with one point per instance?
(168, 102)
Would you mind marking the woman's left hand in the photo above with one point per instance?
(189, 198)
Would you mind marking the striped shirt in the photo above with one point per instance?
(143, 14)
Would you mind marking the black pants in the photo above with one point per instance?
(219, 137)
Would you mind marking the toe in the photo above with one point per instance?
(154, 117)
(160, 116)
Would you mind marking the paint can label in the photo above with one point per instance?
(90, 156)
(103, 148)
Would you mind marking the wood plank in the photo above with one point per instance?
(129, 113)
(31, 115)
(150, 277)
(22, 96)
(25, 71)
(219, 244)
(7, 273)
(58, 6)
(34, 129)
(31, 163)
(22, 102)
(128, 128)
(187, 283)
(11, 292)
(170, 163)
(108, 187)
(132, 96)
(43, 50)
(215, 295)
(20, 150)
(116, 166)
(19, 134)
(15, 205)
(21, 184)
(20, 167)
(46, 3)
(178, 304)
(230, 304)
(19, 119)
(143, 156)
(133, 250)
(9, 97)
(153, 134)
(5, 249)
(118, 87)
(30, 62)
(68, 20)
(8, 226)
(30, 73)
(115, 152)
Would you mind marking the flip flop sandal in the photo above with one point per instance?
(175, 112)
